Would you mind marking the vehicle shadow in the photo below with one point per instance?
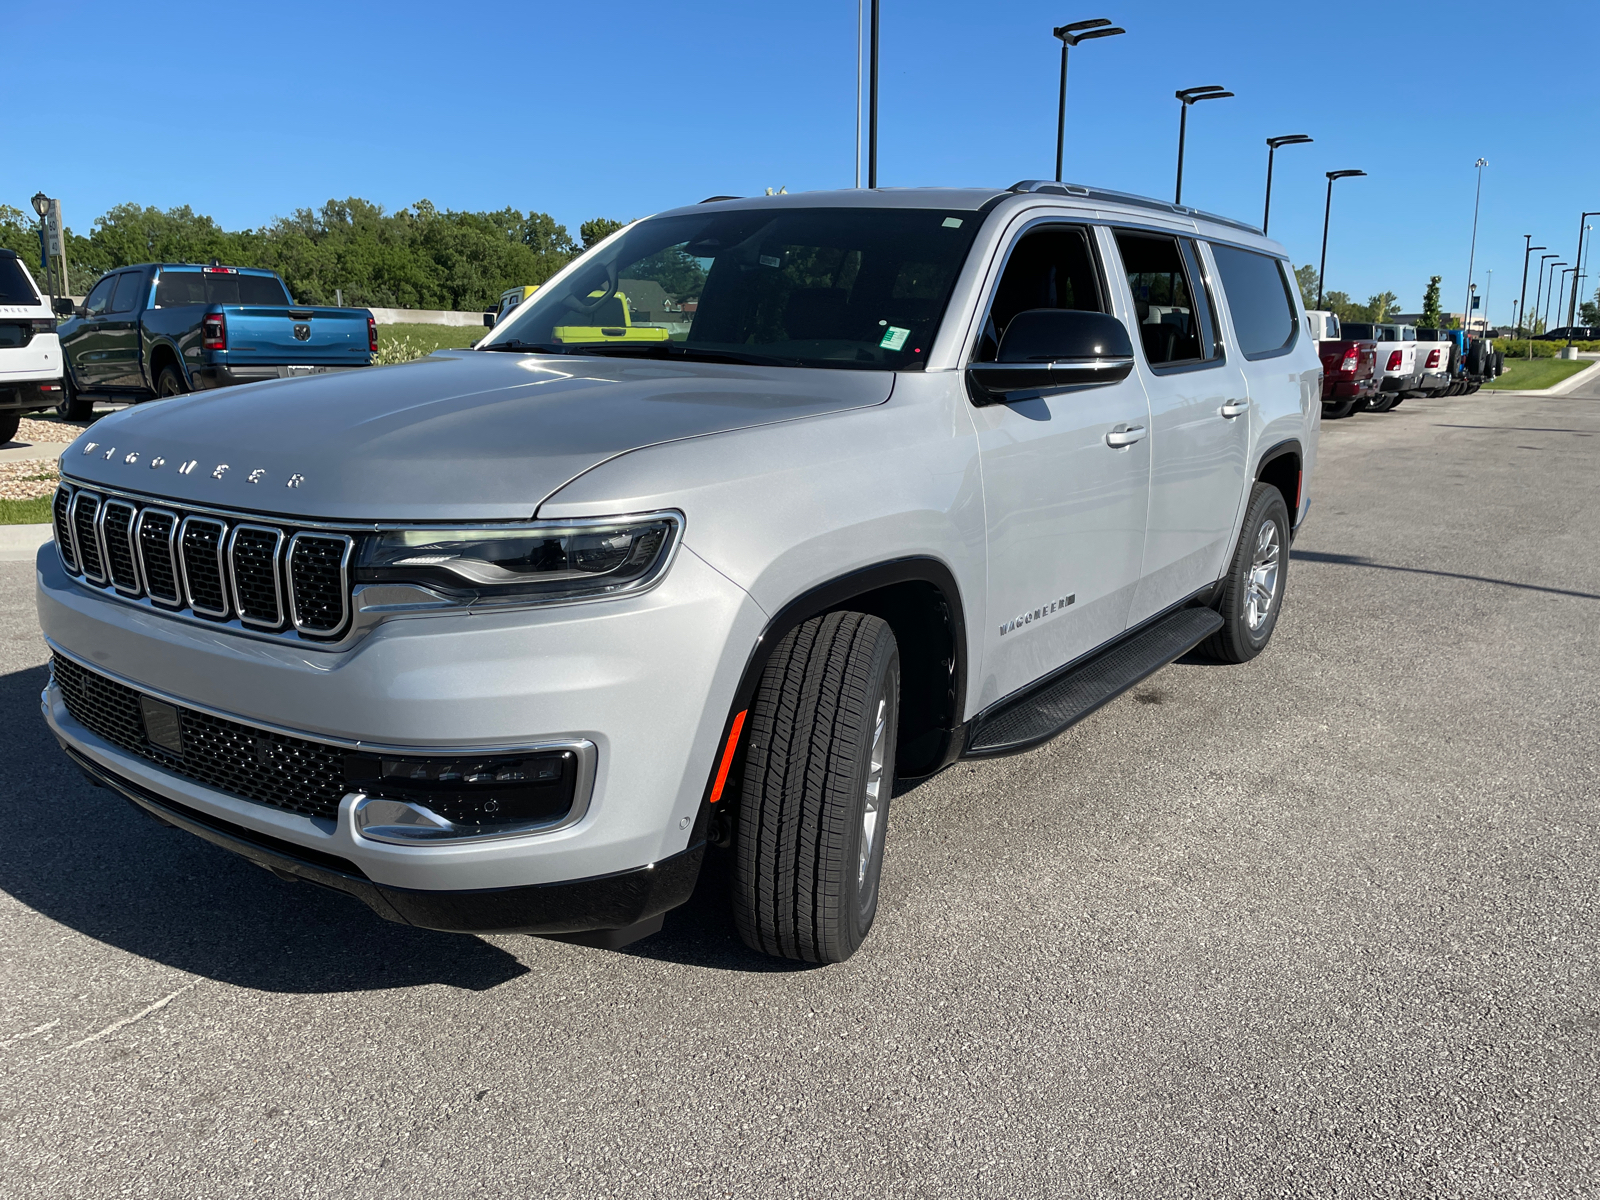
(82, 856)
(1356, 560)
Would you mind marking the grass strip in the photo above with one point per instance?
(25, 512)
(1524, 376)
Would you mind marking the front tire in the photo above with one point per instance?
(814, 806)
(9, 424)
(72, 406)
(1252, 590)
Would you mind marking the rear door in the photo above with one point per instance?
(123, 361)
(1065, 509)
(1200, 433)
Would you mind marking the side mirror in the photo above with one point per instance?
(488, 320)
(1052, 350)
(63, 306)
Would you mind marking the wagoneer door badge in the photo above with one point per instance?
(1038, 614)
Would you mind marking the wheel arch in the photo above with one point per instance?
(1281, 466)
(163, 353)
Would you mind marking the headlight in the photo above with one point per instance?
(525, 563)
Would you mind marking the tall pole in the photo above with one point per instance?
(1061, 115)
(1538, 293)
(1488, 294)
(1322, 266)
(1266, 213)
(1522, 297)
(872, 105)
(1572, 310)
(1183, 127)
(1466, 313)
(859, 15)
(1563, 291)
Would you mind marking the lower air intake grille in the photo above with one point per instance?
(285, 772)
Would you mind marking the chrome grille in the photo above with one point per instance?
(85, 507)
(200, 548)
(269, 577)
(60, 510)
(116, 534)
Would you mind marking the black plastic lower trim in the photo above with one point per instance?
(626, 901)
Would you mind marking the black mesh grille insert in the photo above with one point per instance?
(155, 553)
(254, 562)
(84, 508)
(117, 525)
(59, 507)
(201, 547)
(290, 773)
(316, 576)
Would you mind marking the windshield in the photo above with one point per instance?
(820, 287)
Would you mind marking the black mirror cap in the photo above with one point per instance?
(1042, 335)
(63, 306)
(488, 320)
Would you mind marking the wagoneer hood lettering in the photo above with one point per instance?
(467, 437)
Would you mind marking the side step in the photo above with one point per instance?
(1064, 699)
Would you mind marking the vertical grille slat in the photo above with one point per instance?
(253, 562)
(60, 511)
(85, 508)
(318, 588)
(157, 538)
(200, 544)
(116, 530)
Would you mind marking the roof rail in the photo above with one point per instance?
(1049, 186)
(714, 199)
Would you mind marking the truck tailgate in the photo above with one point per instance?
(272, 334)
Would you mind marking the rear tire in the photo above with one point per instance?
(1252, 590)
(1381, 403)
(1337, 412)
(73, 407)
(170, 383)
(814, 805)
(9, 424)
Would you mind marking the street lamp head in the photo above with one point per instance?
(1482, 162)
(1292, 139)
(1082, 31)
(1080, 26)
(41, 203)
(1099, 33)
(1211, 96)
(1342, 174)
(1190, 95)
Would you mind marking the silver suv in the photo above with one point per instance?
(753, 511)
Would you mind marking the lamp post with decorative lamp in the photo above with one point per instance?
(1326, 213)
(1293, 139)
(1211, 91)
(1071, 35)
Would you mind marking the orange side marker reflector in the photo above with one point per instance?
(727, 756)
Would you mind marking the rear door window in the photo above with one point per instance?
(1258, 298)
(16, 285)
(126, 298)
(1050, 267)
(1173, 327)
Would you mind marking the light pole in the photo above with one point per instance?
(872, 105)
(1326, 212)
(1522, 300)
(1466, 316)
(1538, 293)
(1488, 292)
(1561, 293)
(41, 205)
(1293, 139)
(1572, 310)
(1211, 91)
(1071, 35)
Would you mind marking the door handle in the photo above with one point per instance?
(1124, 435)
(1235, 408)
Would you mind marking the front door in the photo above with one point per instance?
(1199, 422)
(84, 347)
(1065, 507)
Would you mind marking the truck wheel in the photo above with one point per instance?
(9, 424)
(1382, 402)
(1252, 590)
(73, 407)
(170, 382)
(814, 806)
(1339, 410)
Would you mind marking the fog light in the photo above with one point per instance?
(411, 800)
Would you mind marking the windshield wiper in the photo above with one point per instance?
(526, 347)
(671, 350)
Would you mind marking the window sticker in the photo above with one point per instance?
(895, 338)
(952, 222)
(768, 260)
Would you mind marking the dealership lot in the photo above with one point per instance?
(1324, 923)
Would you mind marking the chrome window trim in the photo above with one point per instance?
(133, 548)
(77, 545)
(277, 574)
(1066, 219)
(222, 567)
(172, 557)
(71, 544)
(344, 585)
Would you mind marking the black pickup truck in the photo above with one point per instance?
(162, 329)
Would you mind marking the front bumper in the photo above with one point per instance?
(206, 378)
(646, 679)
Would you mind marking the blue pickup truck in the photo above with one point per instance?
(162, 329)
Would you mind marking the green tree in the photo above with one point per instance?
(1382, 307)
(1589, 310)
(1430, 303)
(1306, 277)
(598, 230)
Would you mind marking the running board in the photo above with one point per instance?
(1065, 699)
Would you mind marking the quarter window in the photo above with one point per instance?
(1172, 326)
(1050, 267)
(1258, 298)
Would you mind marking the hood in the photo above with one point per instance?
(470, 436)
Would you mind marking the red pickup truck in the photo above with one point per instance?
(1350, 375)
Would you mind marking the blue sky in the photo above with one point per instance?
(246, 112)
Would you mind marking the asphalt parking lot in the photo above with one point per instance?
(1320, 925)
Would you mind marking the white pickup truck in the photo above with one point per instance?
(1433, 360)
(1398, 369)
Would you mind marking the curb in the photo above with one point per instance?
(20, 543)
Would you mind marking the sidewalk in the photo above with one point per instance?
(20, 543)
